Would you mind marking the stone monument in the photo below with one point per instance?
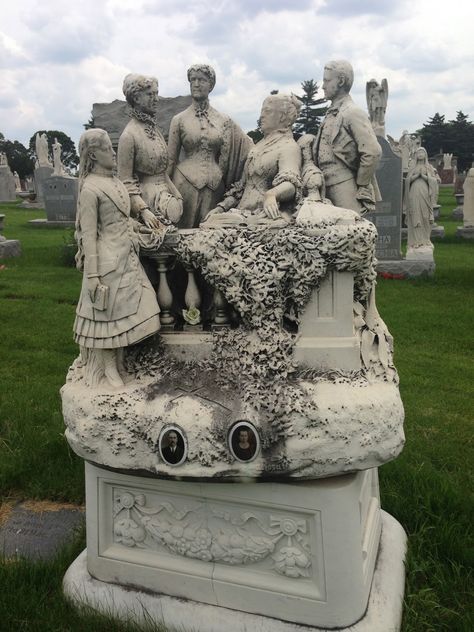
(466, 231)
(377, 97)
(44, 167)
(8, 247)
(60, 202)
(236, 469)
(7, 181)
(458, 212)
(17, 182)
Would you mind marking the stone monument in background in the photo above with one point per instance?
(7, 181)
(44, 168)
(8, 247)
(114, 116)
(377, 97)
(466, 231)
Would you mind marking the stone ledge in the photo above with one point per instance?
(44, 223)
(407, 269)
(465, 232)
(10, 248)
(383, 613)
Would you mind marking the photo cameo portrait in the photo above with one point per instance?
(244, 442)
(172, 446)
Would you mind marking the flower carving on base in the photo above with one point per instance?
(232, 539)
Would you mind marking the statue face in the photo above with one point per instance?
(199, 84)
(331, 84)
(104, 155)
(270, 117)
(146, 99)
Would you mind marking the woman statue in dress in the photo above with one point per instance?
(117, 306)
(421, 188)
(143, 157)
(271, 182)
(215, 149)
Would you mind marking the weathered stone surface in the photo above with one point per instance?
(406, 268)
(41, 175)
(38, 529)
(7, 184)
(113, 117)
(388, 214)
(60, 198)
(10, 248)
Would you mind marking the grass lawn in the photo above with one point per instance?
(428, 488)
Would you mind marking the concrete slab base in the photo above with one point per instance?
(406, 269)
(466, 232)
(437, 232)
(458, 213)
(383, 614)
(44, 223)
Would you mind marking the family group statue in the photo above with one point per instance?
(377, 97)
(42, 150)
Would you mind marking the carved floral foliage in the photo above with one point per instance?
(230, 537)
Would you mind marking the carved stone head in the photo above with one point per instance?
(141, 92)
(338, 78)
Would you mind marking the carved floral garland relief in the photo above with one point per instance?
(284, 538)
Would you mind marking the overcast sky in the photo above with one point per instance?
(59, 57)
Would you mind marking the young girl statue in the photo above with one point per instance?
(117, 306)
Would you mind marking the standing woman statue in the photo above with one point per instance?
(117, 306)
(143, 157)
(58, 165)
(42, 150)
(215, 149)
(421, 192)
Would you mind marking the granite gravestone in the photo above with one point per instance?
(60, 199)
(41, 175)
(388, 213)
(113, 117)
(7, 184)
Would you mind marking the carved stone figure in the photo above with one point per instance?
(377, 97)
(447, 161)
(421, 192)
(215, 149)
(271, 181)
(143, 157)
(17, 181)
(42, 150)
(347, 150)
(117, 306)
(3, 159)
(57, 163)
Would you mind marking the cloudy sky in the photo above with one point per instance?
(57, 57)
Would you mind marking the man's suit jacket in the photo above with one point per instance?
(354, 142)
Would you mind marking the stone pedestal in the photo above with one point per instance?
(8, 247)
(41, 175)
(7, 185)
(467, 230)
(302, 553)
(458, 212)
(60, 199)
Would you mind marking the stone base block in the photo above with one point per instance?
(383, 614)
(437, 232)
(406, 269)
(44, 223)
(303, 553)
(466, 232)
(10, 248)
(458, 213)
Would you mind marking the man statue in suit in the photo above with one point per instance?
(347, 150)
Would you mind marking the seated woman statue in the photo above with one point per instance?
(143, 157)
(117, 306)
(215, 149)
(271, 183)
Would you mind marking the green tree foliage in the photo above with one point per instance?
(69, 156)
(312, 110)
(18, 156)
(455, 137)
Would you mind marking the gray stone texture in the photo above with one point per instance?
(388, 214)
(41, 175)
(38, 534)
(407, 269)
(60, 198)
(113, 117)
(7, 185)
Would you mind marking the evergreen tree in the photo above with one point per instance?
(18, 157)
(435, 135)
(311, 112)
(461, 137)
(69, 156)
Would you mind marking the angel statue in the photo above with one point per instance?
(377, 97)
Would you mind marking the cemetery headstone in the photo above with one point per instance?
(7, 183)
(467, 230)
(8, 247)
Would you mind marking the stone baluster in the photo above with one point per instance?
(192, 296)
(164, 294)
(221, 318)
